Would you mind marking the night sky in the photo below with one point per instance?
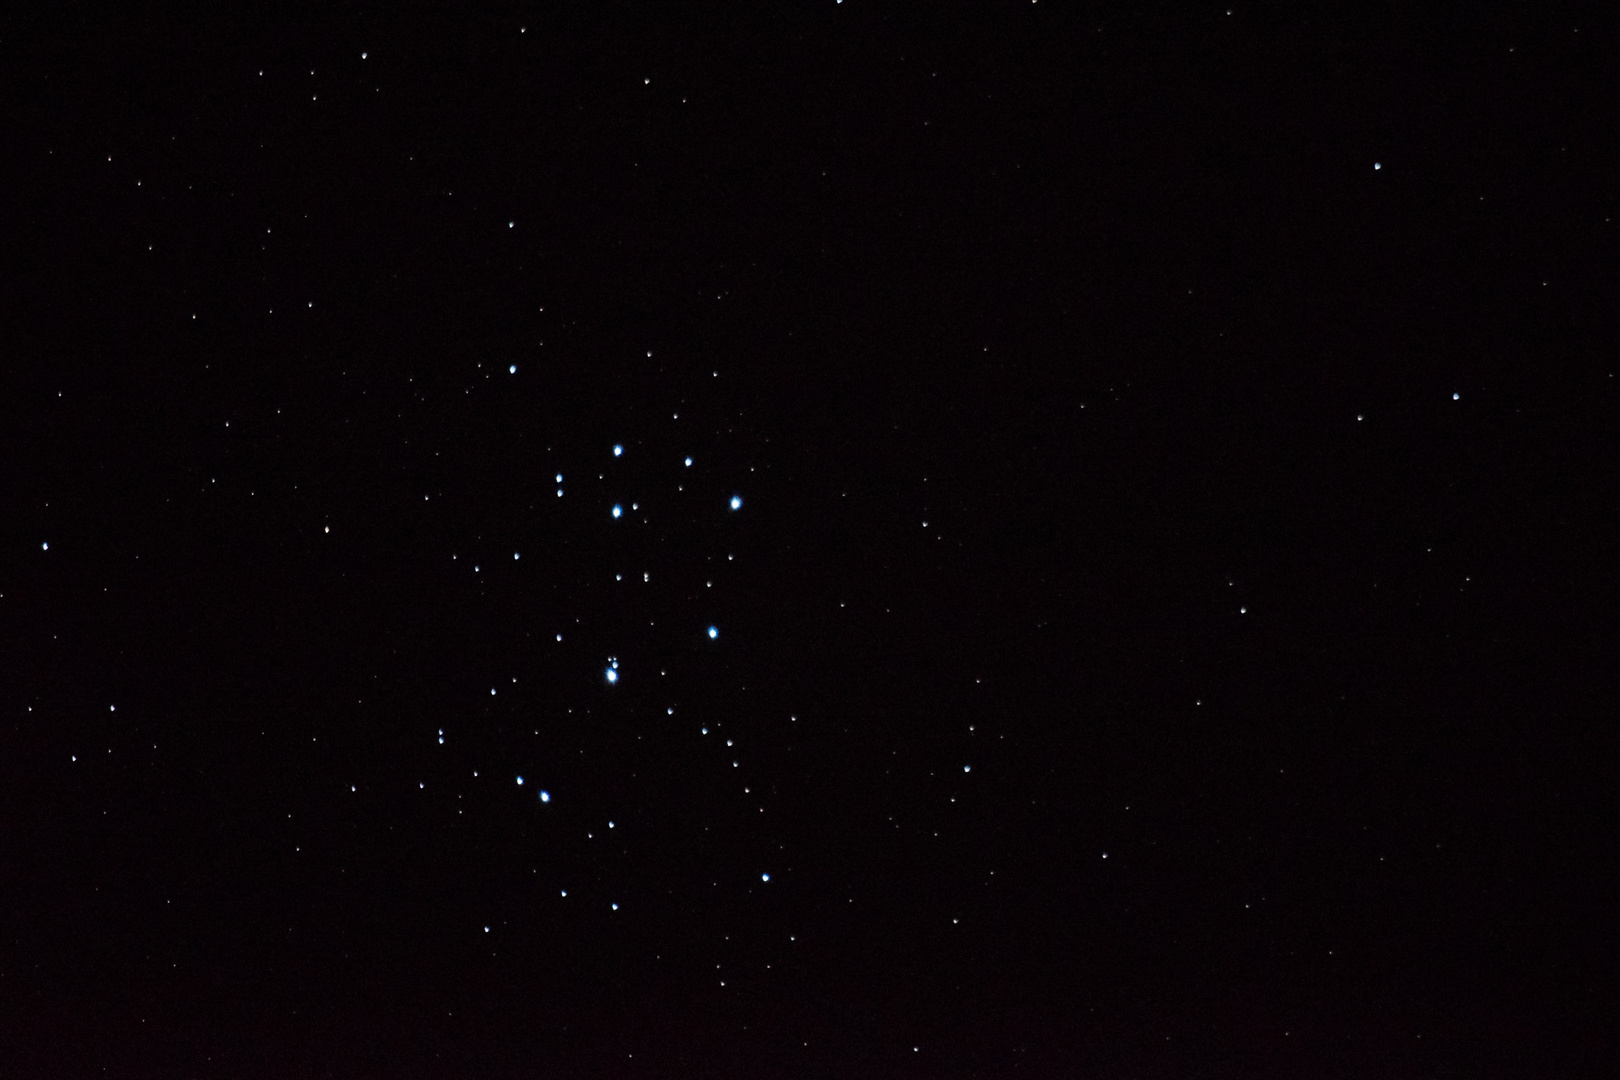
(831, 539)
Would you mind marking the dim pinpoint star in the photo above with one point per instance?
(714, 632)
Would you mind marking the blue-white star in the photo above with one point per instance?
(714, 632)
(736, 502)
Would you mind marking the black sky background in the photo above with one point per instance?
(1218, 576)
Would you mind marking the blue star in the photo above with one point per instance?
(736, 502)
(617, 511)
(714, 631)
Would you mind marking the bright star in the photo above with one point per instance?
(688, 462)
(512, 370)
(612, 676)
(520, 781)
(618, 451)
(764, 877)
(617, 511)
(545, 796)
(714, 632)
(736, 502)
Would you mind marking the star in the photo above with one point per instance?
(714, 632)
(736, 502)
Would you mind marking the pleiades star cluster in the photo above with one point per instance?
(841, 539)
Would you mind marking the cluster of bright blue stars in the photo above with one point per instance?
(611, 671)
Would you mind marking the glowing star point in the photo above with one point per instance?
(612, 676)
(545, 796)
(618, 511)
(736, 502)
(618, 451)
(714, 632)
